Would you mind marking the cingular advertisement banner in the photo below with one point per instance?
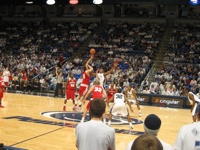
(169, 101)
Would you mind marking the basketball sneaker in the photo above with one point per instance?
(109, 123)
(64, 108)
(140, 114)
(74, 108)
(78, 109)
(131, 127)
(1, 106)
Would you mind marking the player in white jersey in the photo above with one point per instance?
(100, 74)
(194, 100)
(6, 74)
(132, 97)
(188, 137)
(119, 107)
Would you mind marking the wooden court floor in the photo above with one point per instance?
(22, 126)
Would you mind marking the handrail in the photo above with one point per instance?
(147, 76)
(48, 70)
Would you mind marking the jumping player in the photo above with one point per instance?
(1, 88)
(97, 91)
(194, 100)
(84, 84)
(119, 107)
(101, 74)
(131, 94)
(6, 75)
(70, 89)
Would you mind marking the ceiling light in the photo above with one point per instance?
(97, 1)
(73, 2)
(29, 2)
(51, 2)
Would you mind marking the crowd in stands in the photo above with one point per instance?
(32, 57)
(133, 46)
(50, 43)
(181, 64)
(184, 43)
(34, 49)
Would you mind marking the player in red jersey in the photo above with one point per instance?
(1, 87)
(70, 89)
(84, 84)
(96, 91)
(111, 90)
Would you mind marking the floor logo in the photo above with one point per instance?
(76, 117)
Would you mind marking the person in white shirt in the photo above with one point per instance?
(94, 135)
(154, 83)
(188, 137)
(194, 100)
(165, 92)
(144, 83)
(146, 90)
(152, 124)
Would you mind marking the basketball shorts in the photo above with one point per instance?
(109, 97)
(194, 111)
(6, 83)
(119, 110)
(132, 101)
(1, 92)
(82, 90)
(70, 94)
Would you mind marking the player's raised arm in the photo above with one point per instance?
(88, 62)
(111, 70)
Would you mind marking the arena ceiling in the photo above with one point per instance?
(65, 2)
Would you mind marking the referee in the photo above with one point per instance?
(59, 83)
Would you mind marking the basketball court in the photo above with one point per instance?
(38, 123)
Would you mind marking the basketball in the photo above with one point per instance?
(92, 51)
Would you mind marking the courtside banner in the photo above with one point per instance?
(168, 101)
(143, 98)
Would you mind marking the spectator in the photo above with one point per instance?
(152, 125)
(165, 92)
(188, 136)
(146, 90)
(94, 135)
(198, 94)
(147, 142)
(144, 83)
(154, 83)
(152, 89)
(44, 86)
(193, 82)
(36, 86)
(125, 83)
